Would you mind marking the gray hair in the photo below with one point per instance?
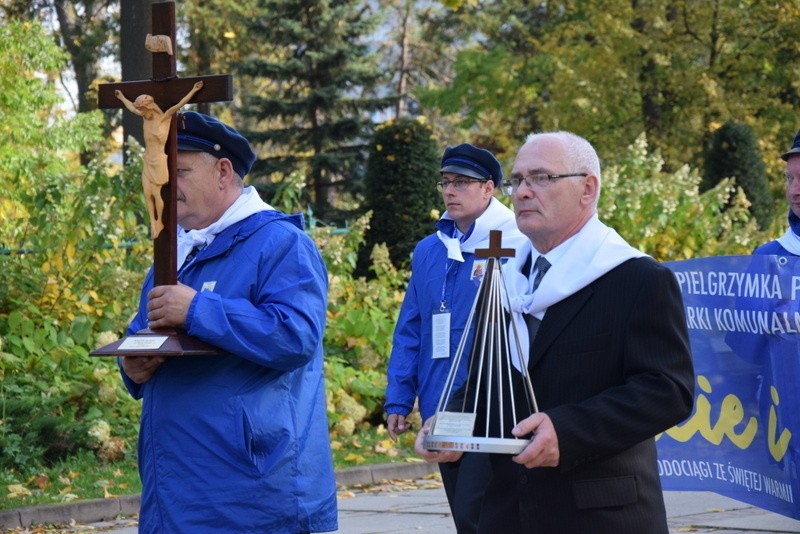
(579, 154)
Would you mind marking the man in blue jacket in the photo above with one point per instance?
(236, 442)
(789, 243)
(444, 280)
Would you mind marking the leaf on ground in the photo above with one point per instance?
(386, 446)
(346, 494)
(353, 457)
(42, 481)
(16, 491)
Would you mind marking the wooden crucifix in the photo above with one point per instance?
(167, 92)
(157, 101)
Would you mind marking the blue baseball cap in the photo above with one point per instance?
(202, 133)
(472, 161)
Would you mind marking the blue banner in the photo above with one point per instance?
(743, 437)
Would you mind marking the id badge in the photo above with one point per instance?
(478, 269)
(441, 335)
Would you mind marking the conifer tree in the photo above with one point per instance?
(313, 114)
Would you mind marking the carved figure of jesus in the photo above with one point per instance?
(155, 172)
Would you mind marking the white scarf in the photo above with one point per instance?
(592, 252)
(495, 217)
(790, 241)
(246, 205)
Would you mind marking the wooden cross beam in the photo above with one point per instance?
(495, 249)
(167, 90)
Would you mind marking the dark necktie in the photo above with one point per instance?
(533, 323)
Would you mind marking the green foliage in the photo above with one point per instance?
(611, 69)
(734, 154)
(69, 275)
(361, 317)
(401, 190)
(665, 214)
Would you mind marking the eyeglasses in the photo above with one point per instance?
(459, 183)
(536, 180)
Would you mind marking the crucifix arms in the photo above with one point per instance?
(145, 106)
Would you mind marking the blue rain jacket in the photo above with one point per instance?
(239, 442)
(412, 371)
(774, 247)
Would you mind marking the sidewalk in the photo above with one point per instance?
(401, 498)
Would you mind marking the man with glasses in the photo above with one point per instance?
(606, 344)
(789, 243)
(444, 280)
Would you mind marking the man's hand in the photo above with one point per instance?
(542, 451)
(167, 306)
(433, 456)
(141, 368)
(396, 425)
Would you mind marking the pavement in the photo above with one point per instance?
(398, 498)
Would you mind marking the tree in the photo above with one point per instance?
(417, 48)
(734, 153)
(612, 69)
(400, 189)
(87, 31)
(313, 110)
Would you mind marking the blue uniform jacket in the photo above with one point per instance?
(774, 247)
(239, 442)
(412, 370)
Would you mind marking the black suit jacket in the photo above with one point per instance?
(611, 366)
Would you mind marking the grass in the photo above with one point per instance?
(84, 477)
(81, 477)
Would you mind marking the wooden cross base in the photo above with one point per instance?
(167, 342)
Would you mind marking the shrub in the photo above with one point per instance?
(734, 153)
(400, 188)
(666, 215)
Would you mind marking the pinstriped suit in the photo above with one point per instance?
(611, 366)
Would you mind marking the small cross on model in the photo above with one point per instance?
(495, 249)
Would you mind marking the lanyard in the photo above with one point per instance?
(442, 303)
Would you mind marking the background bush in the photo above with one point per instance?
(734, 153)
(70, 266)
(400, 189)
